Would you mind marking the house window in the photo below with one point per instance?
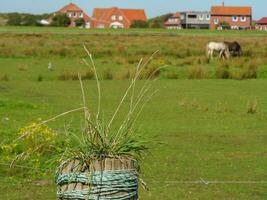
(69, 14)
(120, 18)
(235, 18)
(243, 19)
(216, 21)
(81, 15)
(208, 17)
(201, 17)
(113, 17)
(74, 14)
(192, 16)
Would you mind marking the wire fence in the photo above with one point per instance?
(200, 181)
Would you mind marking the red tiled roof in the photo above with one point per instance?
(231, 10)
(177, 14)
(70, 7)
(262, 21)
(130, 14)
(135, 14)
(101, 13)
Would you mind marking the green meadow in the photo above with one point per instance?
(206, 125)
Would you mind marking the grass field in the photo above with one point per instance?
(199, 129)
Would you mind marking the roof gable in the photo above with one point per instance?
(70, 7)
(231, 10)
(177, 14)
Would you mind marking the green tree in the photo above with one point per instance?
(156, 24)
(30, 20)
(14, 19)
(79, 22)
(139, 24)
(61, 20)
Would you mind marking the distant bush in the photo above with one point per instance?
(24, 19)
(139, 24)
(61, 20)
(223, 25)
(14, 19)
(158, 22)
(80, 22)
(30, 20)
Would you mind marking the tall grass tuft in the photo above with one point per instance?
(107, 74)
(222, 71)
(88, 75)
(196, 72)
(150, 72)
(40, 78)
(171, 75)
(73, 75)
(4, 77)
(247, 72)
(124, 74)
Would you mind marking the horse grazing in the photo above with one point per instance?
(220, 47)
(234, 48)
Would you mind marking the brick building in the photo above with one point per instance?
(116, 17)
(262, 24)
(233, 17)
(74, 13)
(174, 22)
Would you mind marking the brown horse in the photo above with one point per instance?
(234, 48)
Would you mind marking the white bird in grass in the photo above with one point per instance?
(50, 66)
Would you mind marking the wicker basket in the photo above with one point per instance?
(108, 178)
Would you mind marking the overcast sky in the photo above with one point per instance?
(152, 7)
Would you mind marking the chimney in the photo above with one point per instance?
(223, 3)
